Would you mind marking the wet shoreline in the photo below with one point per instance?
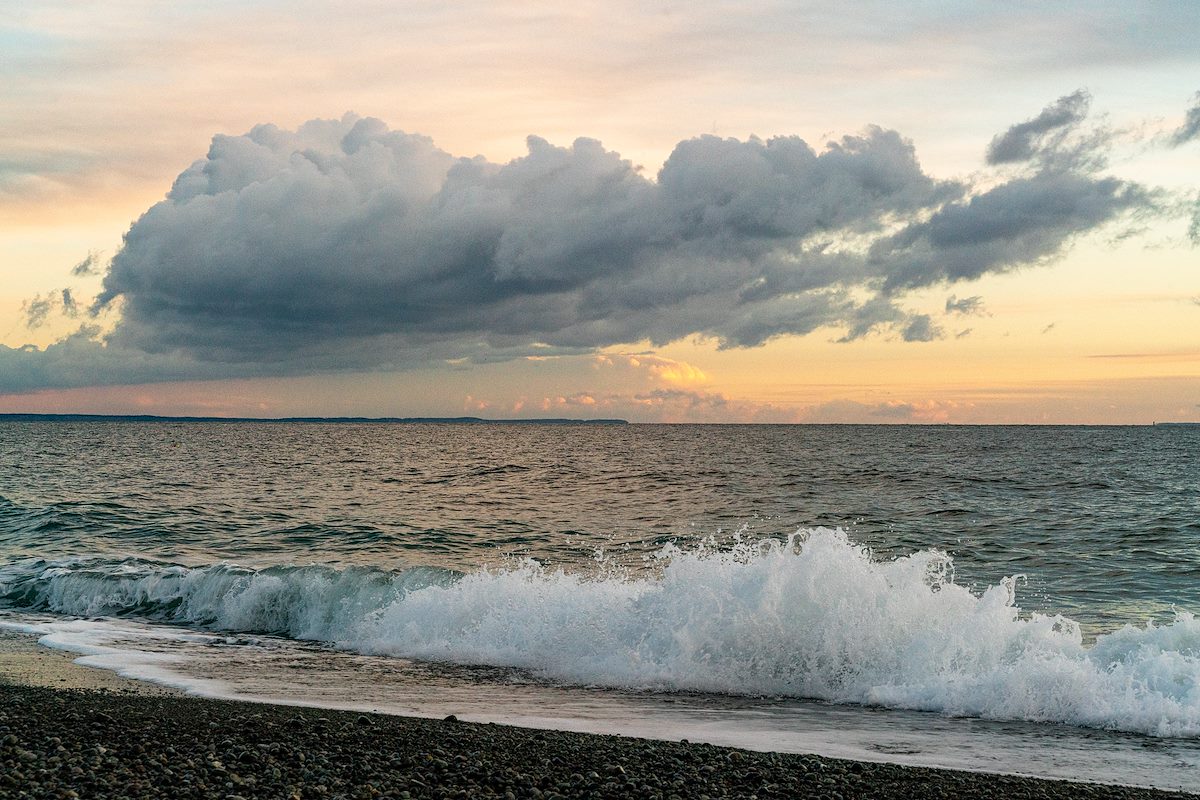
(106, 742)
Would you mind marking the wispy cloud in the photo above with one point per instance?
(69, 306)
(966, 305)
(1167, 355)
(1190, 129)
(37, 310)
(1043, 133)
(90, 265)
(921, 329)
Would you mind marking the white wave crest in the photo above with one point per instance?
(814, 617)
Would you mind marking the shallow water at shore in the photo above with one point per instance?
(275, 670)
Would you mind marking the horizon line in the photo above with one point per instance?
(472, 420)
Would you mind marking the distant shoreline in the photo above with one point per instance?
(17, 417)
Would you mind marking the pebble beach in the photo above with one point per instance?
(67, 732)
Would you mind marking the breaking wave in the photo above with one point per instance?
(814, 616)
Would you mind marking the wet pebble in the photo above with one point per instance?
(110, 745)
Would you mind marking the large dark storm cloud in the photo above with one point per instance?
(346, 245)
(282, 242)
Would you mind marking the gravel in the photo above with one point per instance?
(101, 744)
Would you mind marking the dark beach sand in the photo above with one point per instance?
(124, 740)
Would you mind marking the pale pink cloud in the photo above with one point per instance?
(889, 411)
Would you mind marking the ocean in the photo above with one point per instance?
(1009, 599)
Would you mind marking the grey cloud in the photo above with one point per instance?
(1029, 219)
(88, 266)
(281, 242)
(1022, 141)
(967, 305)
(876, 312)
(1190, 129)
(802, 314)
(69, 306)
(920, 328)
(80, 360)
(1025, 221)
(345, 245)
(37, 310)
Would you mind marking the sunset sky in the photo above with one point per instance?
(706, 211)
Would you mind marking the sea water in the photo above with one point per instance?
(1016, 599)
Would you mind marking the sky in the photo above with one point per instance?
(964, 212)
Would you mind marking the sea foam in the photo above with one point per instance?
(814, 616)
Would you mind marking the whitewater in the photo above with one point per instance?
(813, 616)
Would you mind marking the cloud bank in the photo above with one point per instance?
(347, 245)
